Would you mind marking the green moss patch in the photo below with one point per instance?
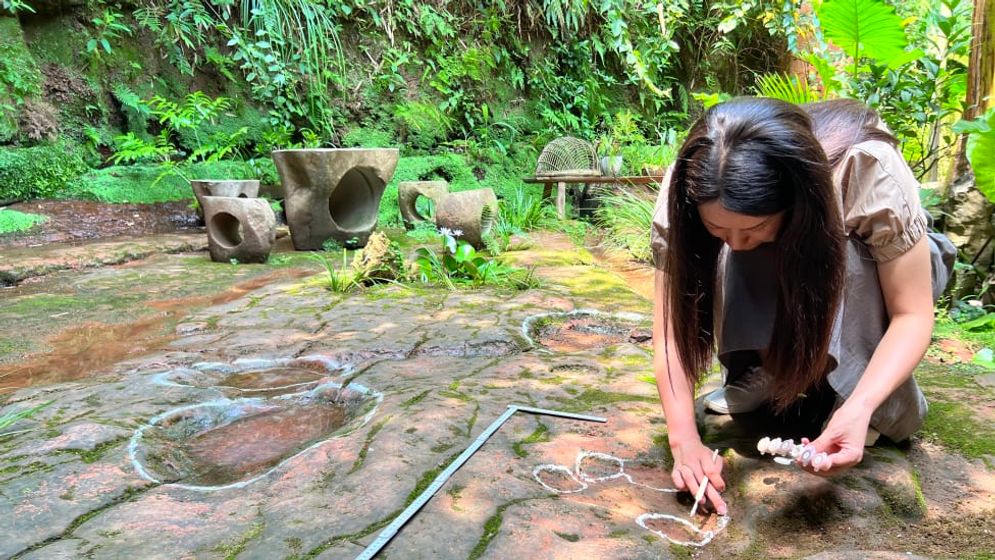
(12, 220)
(491, 529)
(40, 171)
(596, 397)
(20, 78)
(540, 434)
(138, 183)
(957, 428)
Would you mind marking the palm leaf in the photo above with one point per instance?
(981, 151)
(865, 28)
(786, 88)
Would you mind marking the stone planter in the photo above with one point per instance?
(471, 212)
(407, 197)
(611, 166)
(222, 187)
(239, 228)
(333, 193)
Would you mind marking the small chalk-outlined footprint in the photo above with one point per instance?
(613, 468)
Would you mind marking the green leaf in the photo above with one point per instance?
(464, 252)
(984, 357)
(983, 323)
(786, 88)
(471, 270)
(865, 28)
(981, 154)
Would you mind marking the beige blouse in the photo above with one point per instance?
(879, 195)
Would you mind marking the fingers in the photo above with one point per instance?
(714, 473)
(846, 458)
(716, 499)
(678, 479)
(832, 454)
(691, 478)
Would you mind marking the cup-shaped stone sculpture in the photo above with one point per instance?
(333, 193)
(407, 198)
(472, 213)
(236, 188)
(239, 228)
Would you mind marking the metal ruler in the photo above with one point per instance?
(388, 533)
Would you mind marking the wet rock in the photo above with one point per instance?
(82, 436)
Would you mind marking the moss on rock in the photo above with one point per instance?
(20, 78)
(39, 171)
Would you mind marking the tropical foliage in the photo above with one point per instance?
(981, 151)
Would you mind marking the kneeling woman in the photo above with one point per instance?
(792, 240)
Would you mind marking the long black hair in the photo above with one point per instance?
(758, 157)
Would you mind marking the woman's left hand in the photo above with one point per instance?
(842, 439)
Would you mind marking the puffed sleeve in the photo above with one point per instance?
(658, 231)
(881, 200)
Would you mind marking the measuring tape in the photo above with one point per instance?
(388, 533)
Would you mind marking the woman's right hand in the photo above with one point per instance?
(692, 462)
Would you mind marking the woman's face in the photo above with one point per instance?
(739, 231)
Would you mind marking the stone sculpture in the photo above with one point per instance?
(248, 188)
(471, 212)
(408, 193)
(333, 193)
(239, 228)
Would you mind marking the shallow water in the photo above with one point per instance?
(78, 221)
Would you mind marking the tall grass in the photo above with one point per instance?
(522, 211)
(340, 279)
(627, 218)
(518, 213)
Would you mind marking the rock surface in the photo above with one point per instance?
(448, 364)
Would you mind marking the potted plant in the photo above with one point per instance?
(610, 156)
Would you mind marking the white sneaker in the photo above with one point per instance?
(716, 401)
(745, 394)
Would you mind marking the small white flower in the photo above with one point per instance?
(457, 233)
(445, 231)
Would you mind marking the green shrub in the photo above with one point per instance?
(20, 77)
(226, 124)
(362, 137)
(12, 220)
(39, 171)
(423, 124)
(137, 183)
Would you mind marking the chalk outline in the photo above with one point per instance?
(582, 478)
